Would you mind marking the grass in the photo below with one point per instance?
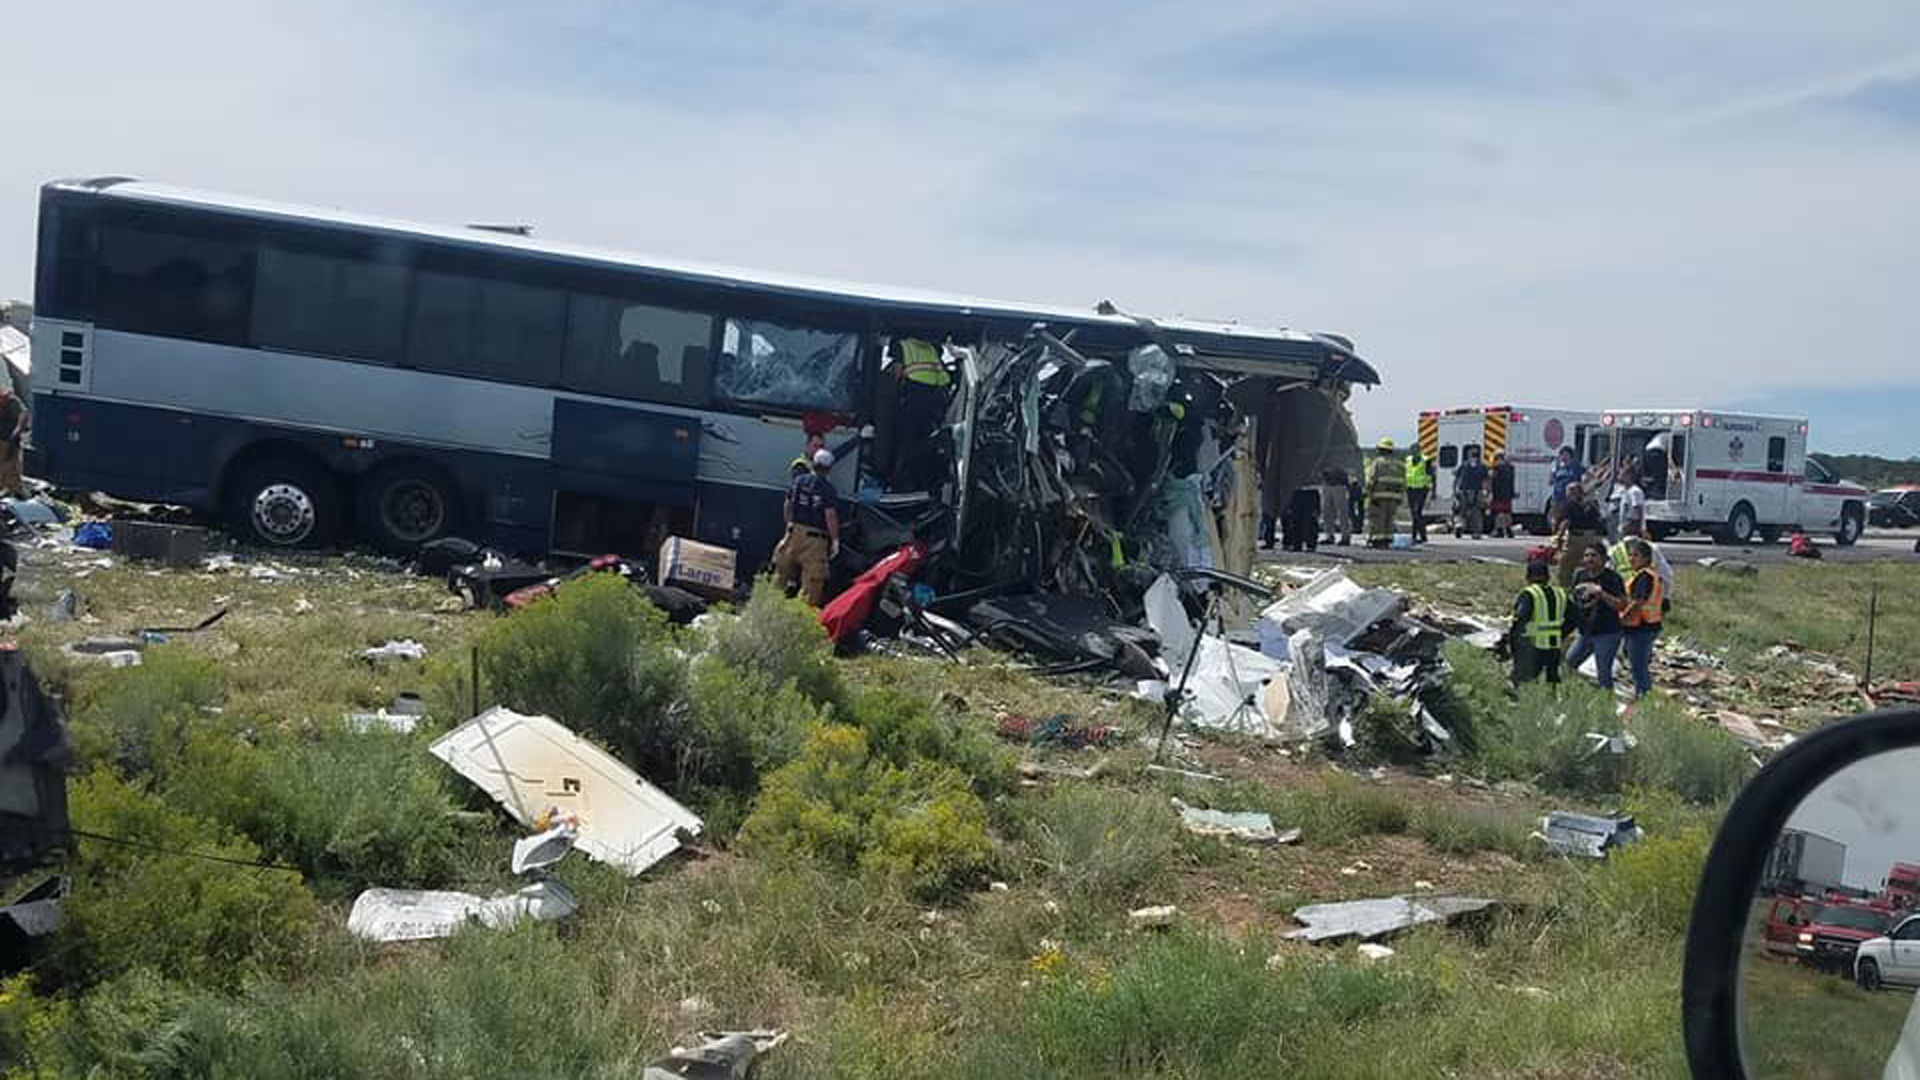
(1044, 978)
(1812, 1025)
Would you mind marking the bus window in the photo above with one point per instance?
(329, 306)
(1777, 454)
(1449, 456)
(486, 329)
(637, 351)
(767, 363)
(153, 282)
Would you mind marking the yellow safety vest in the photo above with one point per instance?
(1417, 475)
(1622, 562)
(1549, 605)
(920, 363)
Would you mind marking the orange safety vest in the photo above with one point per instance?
(1640, 613)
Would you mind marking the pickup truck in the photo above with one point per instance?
(1823, 935)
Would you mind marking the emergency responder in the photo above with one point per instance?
(1386, 485)
(1419, 487)
(802, 465)
(1500, 489)
(1640, 614)
(812, 538)
(924, 382)
(1540, 616)
(1621, 558)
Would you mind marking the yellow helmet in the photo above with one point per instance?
(1385, 444)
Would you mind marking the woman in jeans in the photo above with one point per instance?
(1597, 593)
(1640, 614)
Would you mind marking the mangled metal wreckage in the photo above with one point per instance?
(1078, 471)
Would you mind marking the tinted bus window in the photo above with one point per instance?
(791, 367)
(329, 306)
(152, 282)
(486, 329)
(638, 351)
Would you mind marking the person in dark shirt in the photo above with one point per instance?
(1470, 494)
(1300, 528)
(812, 538)
(1597, 592)
(13, 430)
(1580, 525)
(1500, 495)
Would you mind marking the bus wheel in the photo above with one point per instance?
(285, 502)
(406, 505)
(1851, 526)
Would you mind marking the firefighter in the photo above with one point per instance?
(1386, 485)
(1419, 487)
(1540, 615)
(812, 538)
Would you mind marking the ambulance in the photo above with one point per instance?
(1734, 476)
(1530, 435)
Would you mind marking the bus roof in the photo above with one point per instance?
(1332, 354)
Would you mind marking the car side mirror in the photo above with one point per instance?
(1827, 817)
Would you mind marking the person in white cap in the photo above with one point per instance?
(813, 532)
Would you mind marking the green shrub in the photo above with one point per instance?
(137, 718)
(780, 640)
(901, 728)
(201, 921)
(1647, 887)
(740, 726)
(597, 657)
(1461, 830)
(1192, 1005)
(1691, 758)
(1329, 808)
(1102, 842)
(1545, 738)
(845, 806)
(1473, 696)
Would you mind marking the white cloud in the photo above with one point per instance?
(1555, 203)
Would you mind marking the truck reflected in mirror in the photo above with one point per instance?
(1832, 953)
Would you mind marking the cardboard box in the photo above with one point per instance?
(174, 545)
(705, 569)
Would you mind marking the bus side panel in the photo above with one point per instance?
(133, 451)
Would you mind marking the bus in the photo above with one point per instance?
(314, 376)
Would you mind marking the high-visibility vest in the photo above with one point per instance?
(1385, 479)
(1622, 561)
(920, 362)
(1417, 475)
(1549, 606)
(1645, 613)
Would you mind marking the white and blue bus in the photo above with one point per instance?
(315, 375)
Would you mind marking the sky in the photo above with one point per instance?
(1704, 204)
(1868, 807)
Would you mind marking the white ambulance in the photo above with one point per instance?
(1531, 435)
(1734, 476)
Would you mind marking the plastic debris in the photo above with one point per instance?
(1251, 826)
(403, 649)
(537, 769)
(381, 914)
(543, 849)
(65, 606)
(1586, 834)
(1153, 918)
(381, 719)
(97, 535)
(725, 1055)
(1370, 919)
(1373, 953)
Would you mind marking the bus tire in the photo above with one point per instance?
(1852, 524)
(284, 502)
(1742, 524)
(406, 504)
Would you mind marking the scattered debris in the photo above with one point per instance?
(218, 614)
(170, 545)
(1737, 567)
(113, 652)
(1251, 826)
(997, 886)
(381, 719)
(1187, 774)
(1058, 730)
(543, 849)
(1372, 953)
(539, 770)
(34, 914)
(703, 569)
(302, 605)
(404, 649)
(1370, 919)
(97, 535)
(381, 914)
(1586, 834)
(1153, 918)
(65, 606)
(726, 1055)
